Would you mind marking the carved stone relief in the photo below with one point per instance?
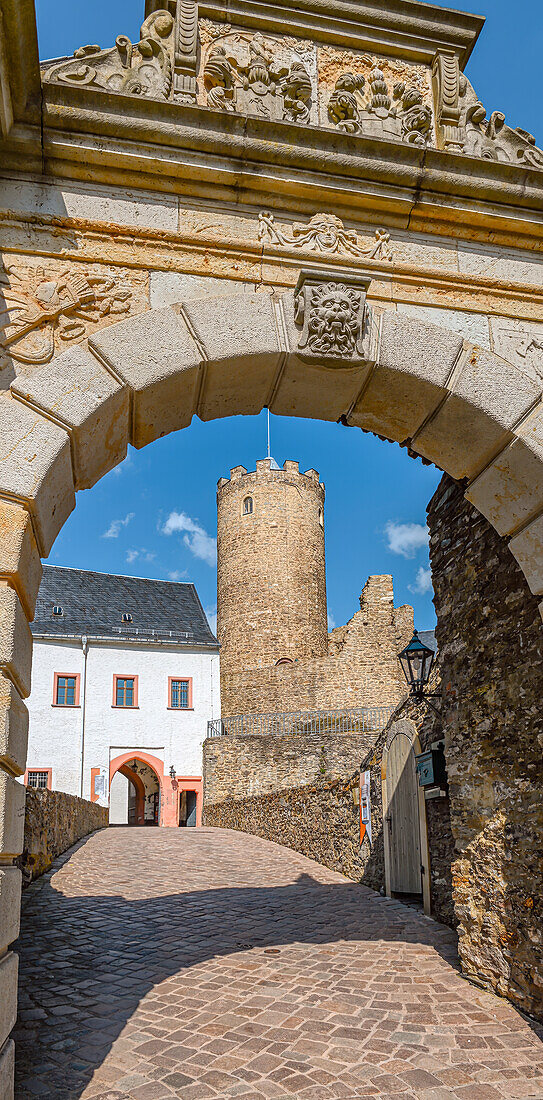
(331, 316)
(257, 75)
(324, 233)
(520, 343)
(44, 307)
(141, 69)
(463, 126)
(375, 96)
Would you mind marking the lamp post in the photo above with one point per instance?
(417, 661)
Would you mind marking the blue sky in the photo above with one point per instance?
(376, 495)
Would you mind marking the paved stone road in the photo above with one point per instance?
(207, 963)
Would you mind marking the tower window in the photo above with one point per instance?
(321, 517)
(248, 506)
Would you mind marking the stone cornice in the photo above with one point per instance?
(215, 156)
(404, 28)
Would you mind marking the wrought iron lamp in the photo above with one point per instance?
(417, 661)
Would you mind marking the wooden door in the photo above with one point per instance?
(402, 818)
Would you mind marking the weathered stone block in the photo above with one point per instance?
(19, 556)
(13, 728)
(488, 397)
(9, 966)
(317, 392)
(7, 1070)
(414, 364)
(35, 466)
(239, 336)
(10, 905)
(511, 490)
(170, 287)
(160, 361)
(527, 548)
(77, 389)
(12, 816)
(15, 640)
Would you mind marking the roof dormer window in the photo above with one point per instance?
(126, 617)
(57, 611)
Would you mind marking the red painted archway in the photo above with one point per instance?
(137, 783)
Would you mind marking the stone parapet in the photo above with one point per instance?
(53, 822)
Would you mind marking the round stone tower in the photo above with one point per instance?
(271, 584)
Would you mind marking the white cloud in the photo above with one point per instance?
(406, 538)
(331, 621)
(177, 574)
(116, 525)
(211, 616)
(423, 581)
(143, 555)
(196, 538)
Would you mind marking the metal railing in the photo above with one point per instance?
(352, 720)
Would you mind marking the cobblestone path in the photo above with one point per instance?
(207, 963)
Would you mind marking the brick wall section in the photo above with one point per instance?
(235, 768)
(361, 668)
(53, 822)
(490, 640)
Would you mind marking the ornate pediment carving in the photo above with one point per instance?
(142, 69)
(463, 125)
(252, 74)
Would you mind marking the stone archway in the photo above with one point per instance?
(319, 352)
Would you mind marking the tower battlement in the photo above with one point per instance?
(265, 467)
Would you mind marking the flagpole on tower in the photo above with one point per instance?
(269, 452)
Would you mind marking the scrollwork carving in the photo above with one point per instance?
(324, 233)
(331, 316)
(142, 69)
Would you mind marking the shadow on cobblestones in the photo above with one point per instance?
(155, 965)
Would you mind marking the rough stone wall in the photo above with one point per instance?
(238, 767)
(274, 557)
(491, 656)
(320, 820)
(53, 822)
(360, 669)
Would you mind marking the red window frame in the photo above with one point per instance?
(49, 771)
(176, 679)
(125, 706)
(65, 676)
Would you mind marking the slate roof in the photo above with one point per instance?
(429, 639)
(93, 604)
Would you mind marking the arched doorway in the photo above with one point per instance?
(136, 801)
(136, 789)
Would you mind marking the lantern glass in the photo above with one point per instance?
(416, 661)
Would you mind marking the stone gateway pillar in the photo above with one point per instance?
(271, 582)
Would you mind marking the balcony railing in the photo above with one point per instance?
(353, 720)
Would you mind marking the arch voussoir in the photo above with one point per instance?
(92, 405)
(36, 468)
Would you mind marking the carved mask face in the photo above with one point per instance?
(335, 310)
(326, 235)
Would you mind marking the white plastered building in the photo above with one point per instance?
(125, 678)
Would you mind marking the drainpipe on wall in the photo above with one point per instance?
(85, 648)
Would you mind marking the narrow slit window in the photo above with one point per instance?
(248, 506)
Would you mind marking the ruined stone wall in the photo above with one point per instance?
(53, 822)
(491, 657)
(238, 767)
(360, 669)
